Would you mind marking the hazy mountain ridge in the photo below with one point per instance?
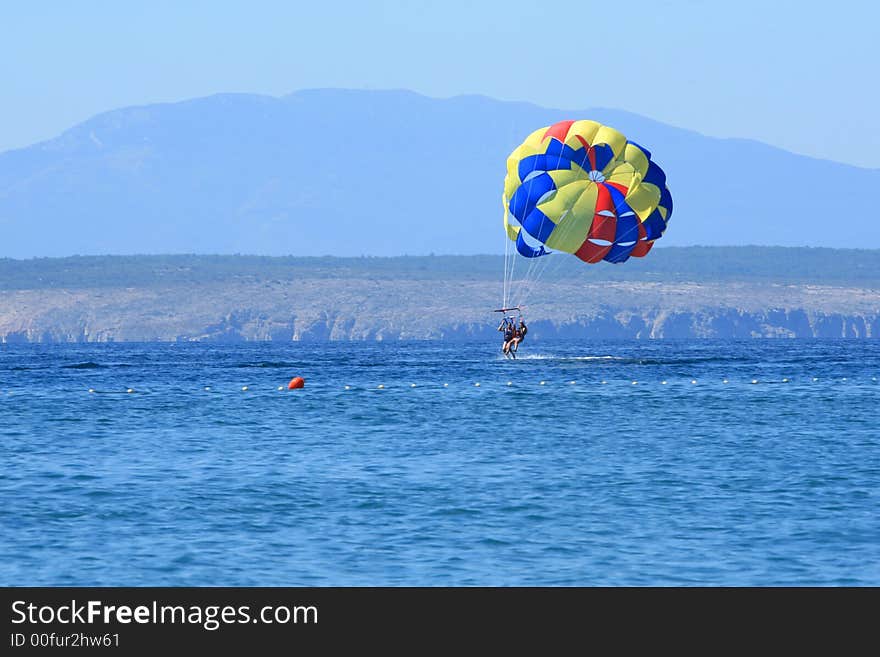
(377, 172)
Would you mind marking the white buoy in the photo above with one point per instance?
(445, 385)
(693, 381)
(785, 380)
(543, 383)
(348, 387)
(207, 388)
(477, 385)
(635, 383)
(815, 378)
(754, 381)
(91, 390)
(244, 388)
(412, 385)
(510, 383)
(843, 379)
(725, 381)
(281, 387)
(380, 386)
(130, 390)
(663, 383)
(571, 383)
(603, 383)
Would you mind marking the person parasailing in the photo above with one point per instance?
(508, 332)
(513, 333)
(519, 334)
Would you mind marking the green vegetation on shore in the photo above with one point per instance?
(849, 267)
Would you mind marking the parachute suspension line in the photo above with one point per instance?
(513, 256)
(524, 281)
(504, 282)
(531, 260)
(510, 256)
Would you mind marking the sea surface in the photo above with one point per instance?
(695, 463)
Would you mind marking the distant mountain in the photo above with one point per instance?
(381, 173)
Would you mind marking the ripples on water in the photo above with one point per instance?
(601, 481)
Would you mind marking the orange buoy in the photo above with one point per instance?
(296, 382)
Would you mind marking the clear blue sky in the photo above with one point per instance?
(799, 75)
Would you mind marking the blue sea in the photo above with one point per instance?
(581, 463)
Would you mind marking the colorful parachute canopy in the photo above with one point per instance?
(582, 188)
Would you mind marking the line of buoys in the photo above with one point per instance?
(298, 382)
(605, 382)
